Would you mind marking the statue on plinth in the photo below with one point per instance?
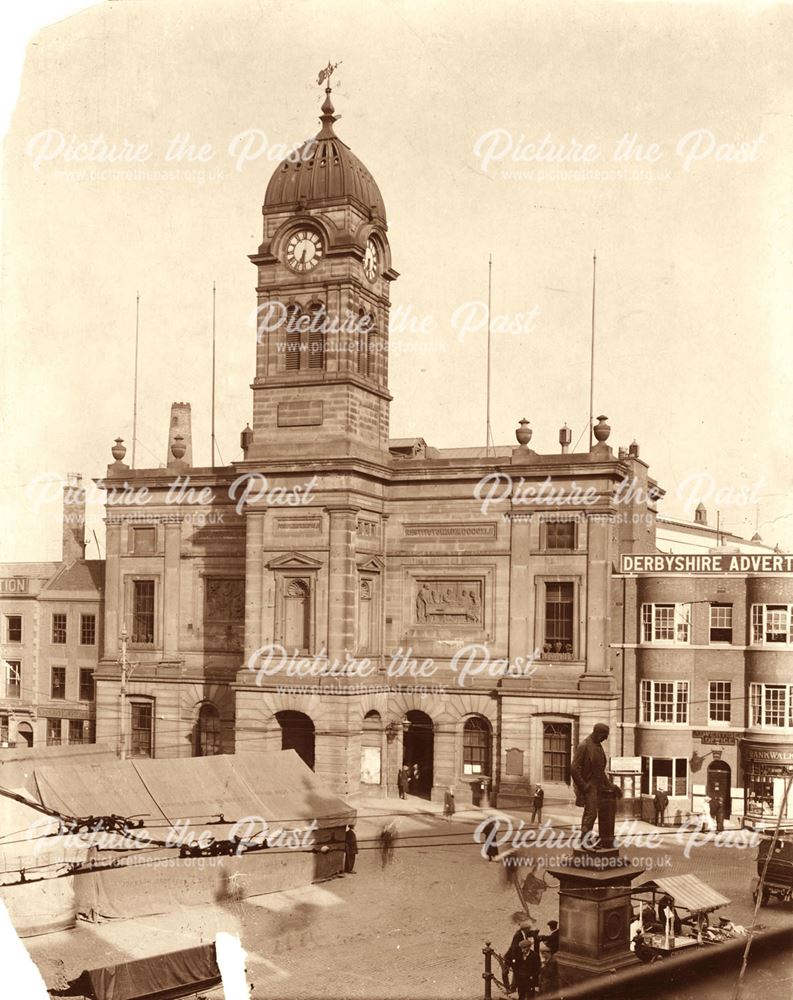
(593, 789)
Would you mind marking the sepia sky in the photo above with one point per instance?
(440, 100)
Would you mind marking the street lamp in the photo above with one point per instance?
(393, 728)
(697, 760)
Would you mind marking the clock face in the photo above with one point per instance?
(370, 260)
(304, 250)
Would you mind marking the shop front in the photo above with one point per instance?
(768, 779)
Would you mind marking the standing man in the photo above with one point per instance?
(588, 772)
(523, 958)
(402, 782)
(661, 801)
(350, 849)
(717, 811)
(552, 938)
(448, 803)
(536, 805)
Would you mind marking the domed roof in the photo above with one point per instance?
(324, 169)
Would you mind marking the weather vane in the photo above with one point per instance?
(325, 74)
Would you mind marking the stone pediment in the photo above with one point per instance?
(373, 564)
(294, 560)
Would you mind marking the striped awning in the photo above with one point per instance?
(688, 892)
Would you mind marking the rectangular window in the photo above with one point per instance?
(13, 679)
(771, 705)
(143, 541)
(87, 685)
(143, 611)
(665, 774)
(772, 624)
(87, 630)
(13, 628)
(3, 729)
(719, 701)
(664, 701)
(558, 619)
(666, 623)
(721, 623)
(560, 535)
(59, 629)
(53, 732)
(556, 746)
(58, 683)
(142, 729)
(76, 731)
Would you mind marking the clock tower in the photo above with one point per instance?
(324, 272)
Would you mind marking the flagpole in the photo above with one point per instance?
(488, 434)
(592, 353)
(213, 374)
(135, 380)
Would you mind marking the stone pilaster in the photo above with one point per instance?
(114, 599)
(342, 581)
(170, 590)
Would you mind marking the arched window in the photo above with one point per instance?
(207, 731)
(371, 350)
(297, 733)
(476, 745)
(297, 615)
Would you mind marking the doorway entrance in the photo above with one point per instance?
(718, 786)
(419, 752)
(297, 733)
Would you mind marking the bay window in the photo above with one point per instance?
(666, 623)
(664, 701)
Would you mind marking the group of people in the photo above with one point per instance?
(409, 780)
(530, 960)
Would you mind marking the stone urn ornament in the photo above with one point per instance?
(602, 430)
(523, 433)
(118, 450)
(178, 448)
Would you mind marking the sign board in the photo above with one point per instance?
(625, 765)
(13, 585)
(370, 765)
(722, 562)
(713, 738)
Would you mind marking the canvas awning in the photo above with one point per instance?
(687, 891)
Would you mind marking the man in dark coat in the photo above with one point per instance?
(523, 958)
(402, 782)
(552, 938)
(536, 804)
(549, 970)
(350, 849)
(588, 772)
(661, 801)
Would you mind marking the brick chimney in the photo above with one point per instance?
(73, 518)
(180, 427)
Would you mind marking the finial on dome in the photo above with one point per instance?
(327, 117)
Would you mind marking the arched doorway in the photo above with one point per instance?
(207, 731)
(419, 751)
(297, 733)
(25, 732)
(718, 786)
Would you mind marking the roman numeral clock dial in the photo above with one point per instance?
(304, 250)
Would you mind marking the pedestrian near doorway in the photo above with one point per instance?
(414, 781)
(448, 803)
(350, 849)
(536, 804)
(660, 801)
(403, 779)
(717, 811)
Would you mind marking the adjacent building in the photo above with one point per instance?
(50, 639)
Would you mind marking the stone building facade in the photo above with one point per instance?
(50, 639)
(456, 602)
